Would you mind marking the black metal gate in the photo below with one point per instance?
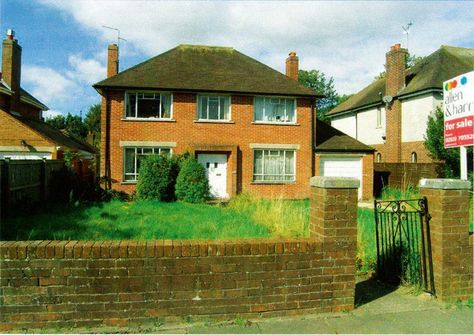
(402, 230)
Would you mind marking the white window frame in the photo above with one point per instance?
(219, 97)
(379, 118)
(136, 117)
(135, 160)
(283, 176)
(414, 157)
(281, 121)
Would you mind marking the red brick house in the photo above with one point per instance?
(253, 128)
(249, 125)
(23, 133)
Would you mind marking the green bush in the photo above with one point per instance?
(192, 184)
(156, 178)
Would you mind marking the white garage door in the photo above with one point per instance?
(342, 167)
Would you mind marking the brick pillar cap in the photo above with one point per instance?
(445, 184)
(334, 182)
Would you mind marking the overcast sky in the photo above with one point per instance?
(64, 43)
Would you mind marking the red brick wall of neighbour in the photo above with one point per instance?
(189, 134)
(407, 148)
(70, 283)
(13, 131)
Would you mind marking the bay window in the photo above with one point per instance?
(133, 157)
(274, 166)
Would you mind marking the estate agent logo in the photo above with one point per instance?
(459, 111)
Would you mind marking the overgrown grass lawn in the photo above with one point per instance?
(144, 220)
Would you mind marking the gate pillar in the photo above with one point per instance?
(451, 245)
(333, 209)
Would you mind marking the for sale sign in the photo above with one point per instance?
(459, 111)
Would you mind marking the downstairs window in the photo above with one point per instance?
(133, 156)
(274, 166)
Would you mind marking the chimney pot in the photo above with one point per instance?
(10, 34)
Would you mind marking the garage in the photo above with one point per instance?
(338, 166)
(339, 155)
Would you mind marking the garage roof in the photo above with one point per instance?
(329, 139)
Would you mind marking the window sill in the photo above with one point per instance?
(214, 121)
(272, 182)
(147, 119)
(128, 182)
(276, 123)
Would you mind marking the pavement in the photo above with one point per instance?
(380, 309)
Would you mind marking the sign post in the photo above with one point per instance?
(458, 94)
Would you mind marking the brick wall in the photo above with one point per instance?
(451, 245)
(402, 175)
(70, 283)
(189, 134)
(407, 148)
(12, 132)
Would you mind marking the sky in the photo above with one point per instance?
(65, 44)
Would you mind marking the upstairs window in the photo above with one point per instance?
(274, 110)
(148, 105)
(379, 117)
(214, 107)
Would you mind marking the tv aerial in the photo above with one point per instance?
(406, 30)
(118, 35)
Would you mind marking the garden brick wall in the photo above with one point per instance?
(87, 283)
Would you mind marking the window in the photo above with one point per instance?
(274, 165)
(133, 156)
(214, 107)
(379, 117)
(378, 157)
(274, 110)
(148, 105)
(414, 157)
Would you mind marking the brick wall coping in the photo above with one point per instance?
(445, 184)
(160, 248)
(334, 182)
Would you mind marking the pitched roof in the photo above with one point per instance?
(329, 139)
(57, 136)
(24, 95)
(29, 99)
(430, 73)
(208, 69)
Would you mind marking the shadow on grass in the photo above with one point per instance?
(371, 289)
(42, 221)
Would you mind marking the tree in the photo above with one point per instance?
(75, 126)
(434, 143)
(71, 123)
(411, 61)
(317, 81)
(92, 122)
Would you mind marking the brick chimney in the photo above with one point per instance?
(112, 60)
(394, 81)
(292, 66)
(395, 69)
(11, 67)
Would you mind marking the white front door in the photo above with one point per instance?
(216, 168)
(342, 167)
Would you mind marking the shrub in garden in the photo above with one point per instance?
(192, 184)
(155, 179)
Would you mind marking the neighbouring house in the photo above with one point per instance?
(391, 113)
(23, 133)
